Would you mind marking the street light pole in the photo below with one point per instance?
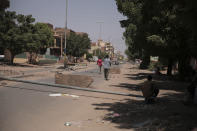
(65, 57)
(100, 28)
(66, 26)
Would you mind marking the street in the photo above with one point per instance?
(39, 108)
(29, 107)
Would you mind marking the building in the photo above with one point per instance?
(93, 48)
(102, 46)
(59, 40)
(106, 47)
(109, 49)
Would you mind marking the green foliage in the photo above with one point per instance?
(102, 55)
(4, 4)
(160, 28)
(89, 56)
(18, 34)
(77, 45)
(97, 52)
(154, 65)
(40, 37)
(14, 30)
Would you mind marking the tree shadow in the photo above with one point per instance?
(133, 87)
(167, 113)
(18, 64)
(163, 82)
(161, 77)
(162, 85)
(139, 76)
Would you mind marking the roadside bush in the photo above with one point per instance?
(154, 65)
(89, 56)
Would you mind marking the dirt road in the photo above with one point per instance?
(35, 108)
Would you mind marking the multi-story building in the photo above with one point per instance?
(59, 40)
(106, 47)
(109, 49)
(94, 47)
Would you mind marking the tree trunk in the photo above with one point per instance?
(145, 62)
(184, 67)
(30, 57)
(170, 64)
(12, 59)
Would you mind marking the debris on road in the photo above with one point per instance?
(59, 94)
(68, 124)
(116, 115)
(55, 94)
(75, 96)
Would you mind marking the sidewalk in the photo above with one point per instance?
(131, 113)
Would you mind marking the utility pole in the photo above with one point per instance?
(65, 57)
(61, 45)
(66, 26)
(100, 28)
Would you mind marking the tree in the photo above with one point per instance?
(158, 28)
(89, 56)
(40, 37)
(18, 34)
(4, 4)
(14, 30)
(77, 44)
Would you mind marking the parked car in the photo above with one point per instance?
(2, 57)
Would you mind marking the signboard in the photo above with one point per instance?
(154, 58)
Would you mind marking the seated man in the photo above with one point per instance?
(149, 91)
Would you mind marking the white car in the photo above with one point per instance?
(2, 57)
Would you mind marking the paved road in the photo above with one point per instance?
(25, 107)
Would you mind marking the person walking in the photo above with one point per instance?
(106, 66)
(99, 63)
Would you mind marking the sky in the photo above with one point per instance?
(98, 18)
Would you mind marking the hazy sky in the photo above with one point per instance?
(83, 16)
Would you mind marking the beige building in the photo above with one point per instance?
(94, 47)
(109, 49)
(59, 40)
(106, 47)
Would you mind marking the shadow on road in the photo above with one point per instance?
(133, 87)
(163, 82)
(167, 114)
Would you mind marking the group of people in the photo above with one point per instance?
(149, 90)
(106, 65)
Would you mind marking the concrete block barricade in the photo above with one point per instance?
(114, 70)
(73, 80)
